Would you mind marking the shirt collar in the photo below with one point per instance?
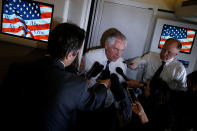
(168, 61)
(56, 62)
(105, 56)
(62, 63)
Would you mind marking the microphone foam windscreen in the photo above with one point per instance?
(116, 88)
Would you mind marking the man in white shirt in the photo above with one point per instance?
(173, 73)
(115, 44)
(164, 75)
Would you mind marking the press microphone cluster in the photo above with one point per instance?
(105, 74)
(94, 70)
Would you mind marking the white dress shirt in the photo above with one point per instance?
(173, 73)
(99, 55)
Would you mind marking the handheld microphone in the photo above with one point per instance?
(94, 70)
(119, 95)
(120, 71)
(105, 74)
(116, 87)
(127, 61)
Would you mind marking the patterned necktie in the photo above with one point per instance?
(159, 70)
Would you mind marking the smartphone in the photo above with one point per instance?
(132, 95)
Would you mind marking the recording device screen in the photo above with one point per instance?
(132, 95)
(26, 19)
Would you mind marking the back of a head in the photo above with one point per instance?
(65, 38)
(112, 34)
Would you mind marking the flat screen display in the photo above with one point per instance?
(185, 35)
(26, 19)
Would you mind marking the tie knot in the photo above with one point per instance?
(107, 65)
(163, 63)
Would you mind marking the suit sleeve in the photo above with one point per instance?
(93, 98)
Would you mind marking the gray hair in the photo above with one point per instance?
(113, 35)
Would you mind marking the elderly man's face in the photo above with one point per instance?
(114, 51)
(169, 50)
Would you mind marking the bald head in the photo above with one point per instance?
(170, 49)
(173, 40)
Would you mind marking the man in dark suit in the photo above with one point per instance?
(52, 97)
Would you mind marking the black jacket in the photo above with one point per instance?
(47, 96)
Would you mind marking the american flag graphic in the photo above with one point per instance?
(186, 36)
(27, 19)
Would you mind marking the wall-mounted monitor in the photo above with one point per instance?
(188, 58)
(26, 19)
(185, 35)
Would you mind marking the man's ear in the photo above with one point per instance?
(106, 45)
(69, 55)
(176, 54)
